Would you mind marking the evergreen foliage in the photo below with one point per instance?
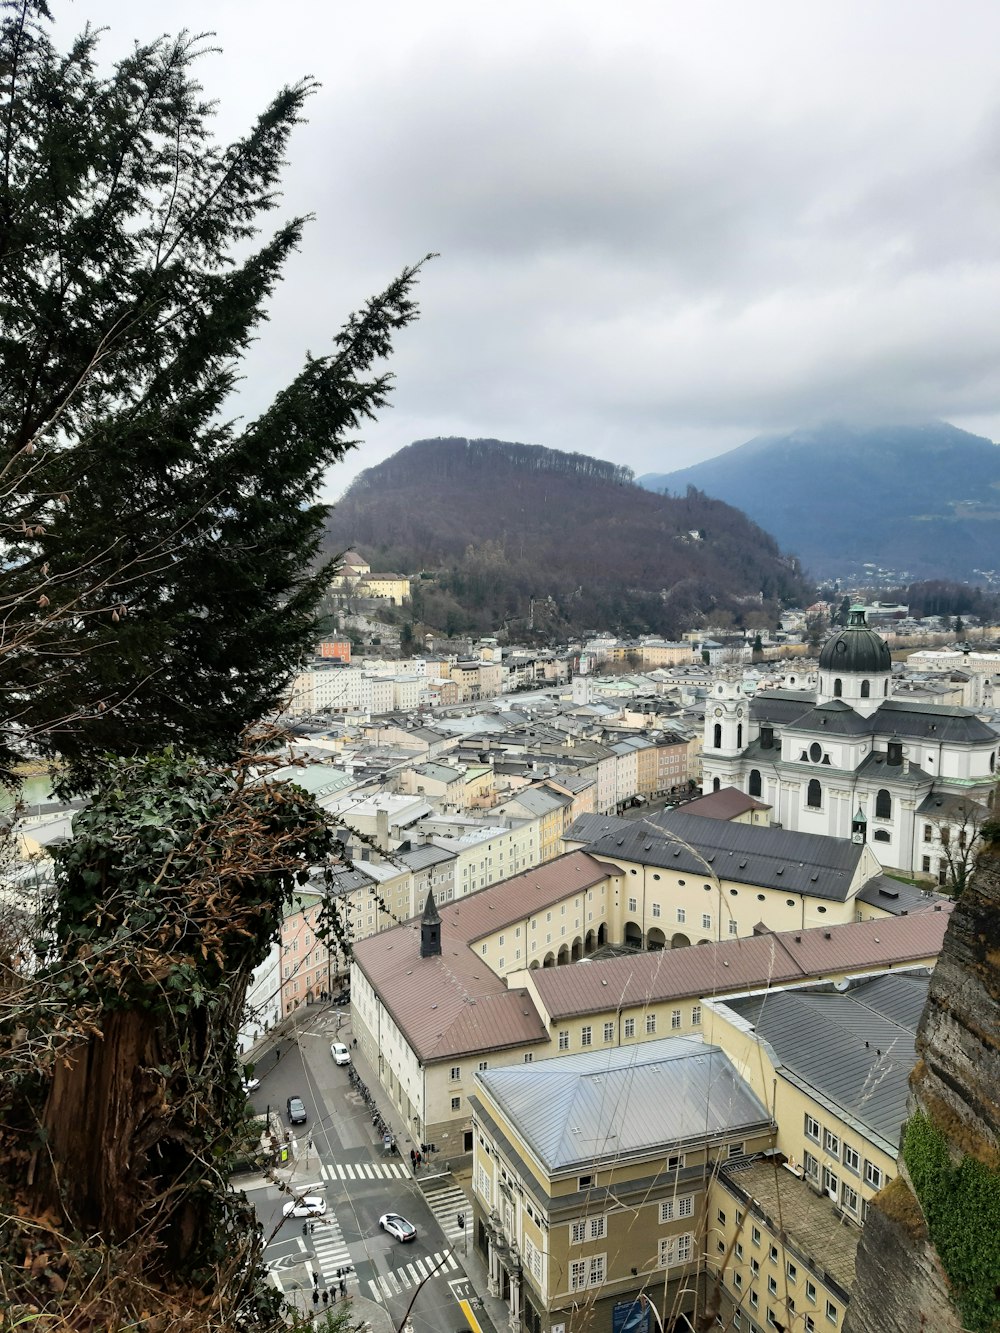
(161, 576)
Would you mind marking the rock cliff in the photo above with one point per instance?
(930, 1252)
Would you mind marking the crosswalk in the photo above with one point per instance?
(448, 1203)
(331, 1251)
(364, 1171)
(394, 1283)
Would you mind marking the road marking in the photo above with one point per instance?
(471, 1319)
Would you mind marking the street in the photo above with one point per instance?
(338, 1155)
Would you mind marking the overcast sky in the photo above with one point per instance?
(663, 228)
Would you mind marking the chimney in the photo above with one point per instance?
(382, 829)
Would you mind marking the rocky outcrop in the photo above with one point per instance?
(930, 1252)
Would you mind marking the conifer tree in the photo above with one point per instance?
(160, 555)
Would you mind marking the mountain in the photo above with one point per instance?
(920, 500)
(512, 532)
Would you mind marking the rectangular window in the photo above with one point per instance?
(736, 1150)
(754, 1300)
(675, 1019)
(738, 1250)
(630, 1027)
(609, 1031)
(734, 927)
(685, 1206)
(656, 909)
(528, 1057)
(577, 1232)
(676, 1162)
(773, 1254)
(578, 1275)
(681, 916)
(873, 1175)
(456, 1103)
(584, 1182)
(597, 1270)
(586, 1035)
(676, 1250)
(849, 1198)
(484, 1184)
(633, 905)
(722, 1217)
(696, 1015)
(810, 1290)
(706, 921)
(754, 1266)
(456, 1073)
(650, 1022)
(926, 864)
(831, 1312)
(812, 1128)
(852, 1159)
(598, 1228)
(772, 1286)
(810, 1165)
(755, 1235)
(564, 1041)
(831, 1143)
(831, 1183)
(791, 1271)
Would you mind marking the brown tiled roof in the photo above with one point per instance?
(724, 804)
(731, 965)
(480, 914)
(447, 1005)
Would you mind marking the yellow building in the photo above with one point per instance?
(591, 1176)
(394, 588)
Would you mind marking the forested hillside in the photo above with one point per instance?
(495, 527)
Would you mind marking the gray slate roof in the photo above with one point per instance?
(893, 896)
(834, 718)
(806, 863)
(779, 707)
(924, 721)
(578, 1109)
(853, 1049)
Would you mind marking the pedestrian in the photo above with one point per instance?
(419, 1160)
(315, 1299)
(315, 1279)
(413, 1159)
(343, 1286)
(326, 1298)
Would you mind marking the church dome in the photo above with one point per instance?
(856, 650)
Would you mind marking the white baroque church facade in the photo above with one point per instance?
(849, 760)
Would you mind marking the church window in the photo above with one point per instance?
(866, 689)
(883, 805)
(753, 786)
(993, 762)
(717, 736)
(881, 835)
(716, 784)
(885, 689)
(739, 736)
(815, 752)
(814, 794)
(838, 688)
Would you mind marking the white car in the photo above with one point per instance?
(250, 1085)
(397, 1226)
(310, 1205)
(340, 1053)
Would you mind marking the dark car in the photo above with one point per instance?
(296, 1111)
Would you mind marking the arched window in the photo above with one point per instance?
(739, 736)
(866, 689)
(717, 736)
(753, 786)
(883, 805)
(838, 688)
(716, 784)
(881, 835)
(814, 794)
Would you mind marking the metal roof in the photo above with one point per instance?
(775, 958)
(854, 1049)
(582, 1110)
(805, 863)
(930, 722)
(834, 718)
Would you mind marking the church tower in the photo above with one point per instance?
(430, 929)
(855, 666)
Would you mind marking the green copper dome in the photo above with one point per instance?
(856, 650)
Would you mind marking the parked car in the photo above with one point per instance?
(250, 1085)
(312, 1205)
(340, 1053)
(397, 1226)
(296, 1111)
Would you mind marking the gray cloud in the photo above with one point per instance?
(663, 228)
